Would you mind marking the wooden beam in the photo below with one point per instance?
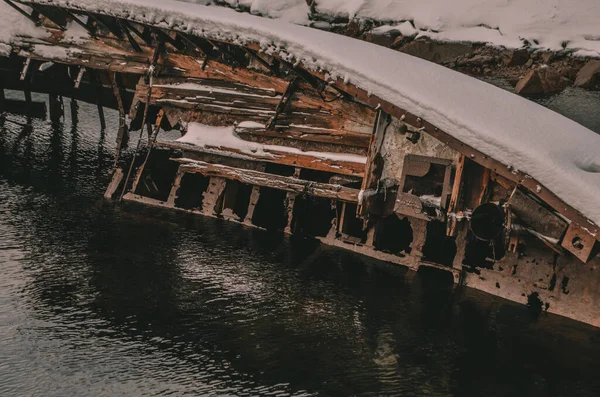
(275, 156)
(257, 178)
(125, 28)
(285, 99)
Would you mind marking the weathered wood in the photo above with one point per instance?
(341, 123)
(275, 156)
(213, 195)
(309, 134)
(151, 141)
(254, 196)
(258, 178)
(285, 99)
(374, 164)
(455, 196)
(175, 187)
(114, 183)
(122, 135)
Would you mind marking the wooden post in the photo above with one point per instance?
(372, 169)
(210, 204)
(114, 184)
(122, 136)
(175, 187)
(455, 198)
(159, 118)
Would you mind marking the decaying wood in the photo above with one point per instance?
(114, 184)
(175, 187)
(122, 133)
(455, 196)
(374, 164)
(257, 178)
(213, 195)
(151, 141)
(275, 156)
(339, 122)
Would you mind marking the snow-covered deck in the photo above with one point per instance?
(560, 154)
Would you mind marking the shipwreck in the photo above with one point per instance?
(287, 128)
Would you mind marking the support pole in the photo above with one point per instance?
(152, 139)
(123, 135)
(285, 98)
(151, 71)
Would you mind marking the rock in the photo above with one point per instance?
(386, 40)
(516, 58)
(529, 63)
(477, 60)
(540, 81)
(435, 51)
(589, 75)
(547, 56)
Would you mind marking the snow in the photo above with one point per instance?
(225, 137)
(544, 24)
(560, 154)
(251, 124)
(14, 25)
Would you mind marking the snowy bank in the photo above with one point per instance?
(545, 24)
(559, 153)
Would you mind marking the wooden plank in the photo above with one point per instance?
(114, 184)
(258, 178)
(311, 134)
(275, 156)
(372, 168)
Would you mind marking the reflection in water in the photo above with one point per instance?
(102, 300)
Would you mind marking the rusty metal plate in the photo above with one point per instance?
(579, 242)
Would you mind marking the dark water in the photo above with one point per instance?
(98, 299)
